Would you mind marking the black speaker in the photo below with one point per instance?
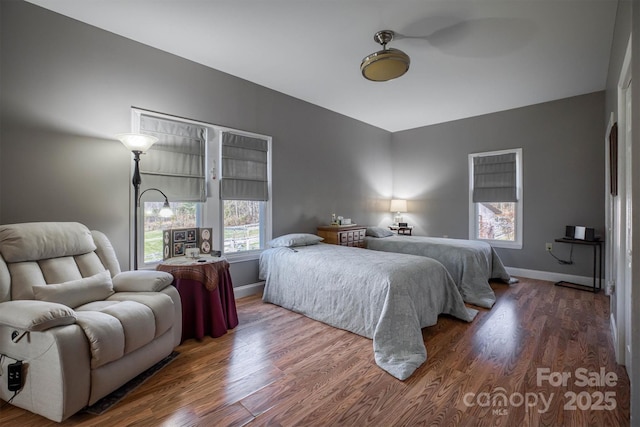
(578, 232)
(570, 232)
(589, 234)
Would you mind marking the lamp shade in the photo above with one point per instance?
(137, 142)
(386, 64)
(166, 211)
(398, 205)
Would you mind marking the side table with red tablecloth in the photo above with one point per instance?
(206, 291)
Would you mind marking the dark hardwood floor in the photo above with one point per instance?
(280, 368)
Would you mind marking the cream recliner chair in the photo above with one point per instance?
(80, 326)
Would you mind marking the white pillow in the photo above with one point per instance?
(378, 232)
(77, 292)
(295, 239)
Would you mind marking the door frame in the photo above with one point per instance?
(617, 240)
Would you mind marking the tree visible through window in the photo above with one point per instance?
(242, 225)
(496, 221)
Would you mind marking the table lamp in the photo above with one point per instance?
(398, 206)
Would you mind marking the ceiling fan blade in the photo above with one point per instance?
(479, 38)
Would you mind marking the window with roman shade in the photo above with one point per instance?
(495, 198)
(494, 178)
(244, 169)
(213, 176)
(176, 163)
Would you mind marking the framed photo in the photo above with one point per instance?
(179, 235)
(178, 249)
(176, 241)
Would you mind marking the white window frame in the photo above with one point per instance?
(473, 207)
(212, 209)
(267, 232)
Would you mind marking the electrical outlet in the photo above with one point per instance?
(548, 247)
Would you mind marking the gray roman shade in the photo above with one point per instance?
(494, 178)
(176, 163)
(244, 168)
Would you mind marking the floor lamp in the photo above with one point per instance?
(137, 144)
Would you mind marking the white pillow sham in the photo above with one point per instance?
(378, 232)
(295, 239)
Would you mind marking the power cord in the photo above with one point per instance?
(562, 261)
(15, 393)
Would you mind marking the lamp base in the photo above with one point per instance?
(397, 219)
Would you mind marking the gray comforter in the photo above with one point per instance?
(383, 296)
(471, 263)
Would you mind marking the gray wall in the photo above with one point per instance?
(621, 35)
(67, 89)
(563, 182)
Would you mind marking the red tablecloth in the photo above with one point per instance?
(204, 312)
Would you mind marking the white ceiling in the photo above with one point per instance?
(468, 57)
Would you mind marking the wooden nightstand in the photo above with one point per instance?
(344, 235)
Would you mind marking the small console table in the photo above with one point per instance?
(597, 265)
(402, 230)
(206, 292)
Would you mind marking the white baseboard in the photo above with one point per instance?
(250, 289)
(550, 276)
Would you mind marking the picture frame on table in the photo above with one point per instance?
(178, 249)
(179, 235)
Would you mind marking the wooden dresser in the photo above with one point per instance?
(345, 235)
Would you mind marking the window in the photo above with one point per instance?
(244, 189)
(495, 198)
(233, 199)
(185, 215)
(243, 230)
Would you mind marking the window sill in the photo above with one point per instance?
(501, 244)
(242, 256)
(232, 258)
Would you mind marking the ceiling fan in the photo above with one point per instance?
(385, 64)
(479, 37)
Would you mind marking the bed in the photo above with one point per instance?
(471, 263)
(386, 297)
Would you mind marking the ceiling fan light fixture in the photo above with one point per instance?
(386, 64)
